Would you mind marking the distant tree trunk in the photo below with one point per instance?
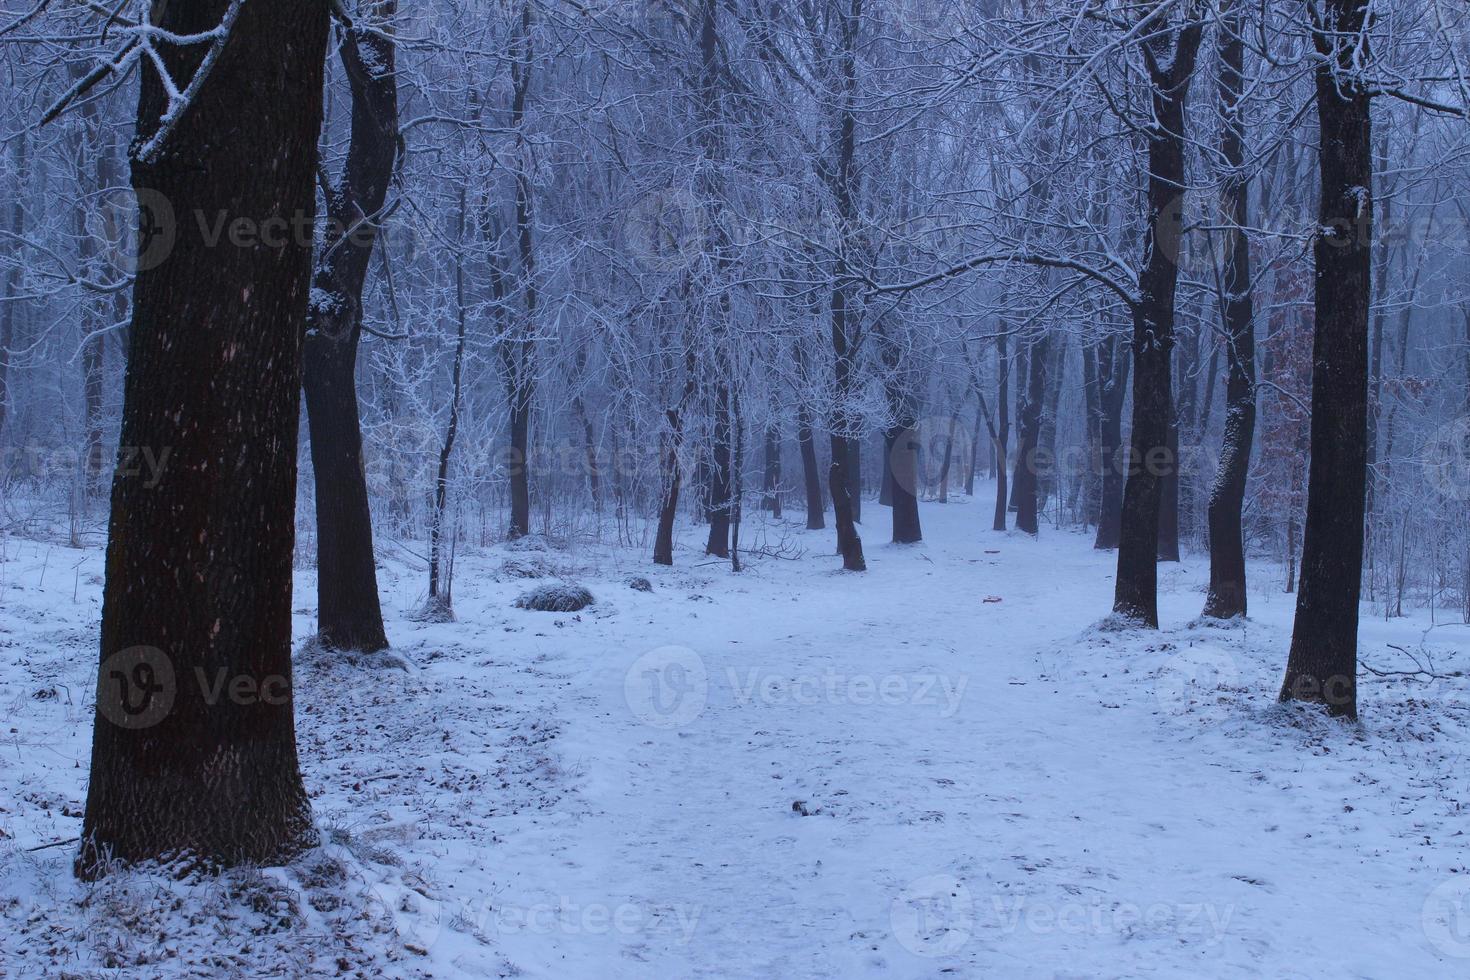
(349, 614)
(1136, 588)
(438, 596)
(9, 304)
(1168, 545)
(1227, 594)
(521, 347)
(1323, 664)
(855, 477)
(811, 475)
(954, 421)
(974, 460)
(718, 513)
(772, 476)
(90, 140)
(199, 565)
(1047, 478)
(1092, 403)
(840, 480)
(1112, 367)
(1002, 429)
(1029, 462)
(737, 469)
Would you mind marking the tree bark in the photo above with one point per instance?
(1002, 429)
(840, 480)
(349, 613)
(1227, 594)
(1112, 367)
(1026, 487)
(1136, 592)
(10, 304)
(718, 513)
(1322, 666)
(198, 581)
(811, 475)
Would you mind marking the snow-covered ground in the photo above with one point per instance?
(948, 766)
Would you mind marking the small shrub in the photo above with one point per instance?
(559, 597)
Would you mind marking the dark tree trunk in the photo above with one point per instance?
(974, 460)
(438, 596)
(1168, 546)
(841, 480)
(954, 421)
(718, 513)
(811, 475)
(1227, 595)
(1136, 592)
(9, 304)
(855, 477)
(663, 542)
(1029, 461)
(1092, 402)
(1112, 367)
(901, 445)
(349, 615)
(520, 349)
(1047, 477)
(900, 461)
(199, 565)
(1323, 664)
(1002, 429)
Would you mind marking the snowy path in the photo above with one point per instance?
(984, 791)
(799, 772)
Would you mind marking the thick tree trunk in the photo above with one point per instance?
(1323, 664)
(349, 614)
(901, 460)
(1136, 589)
(1227, 595)
(198, 583)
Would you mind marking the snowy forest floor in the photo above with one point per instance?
(951, 765)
